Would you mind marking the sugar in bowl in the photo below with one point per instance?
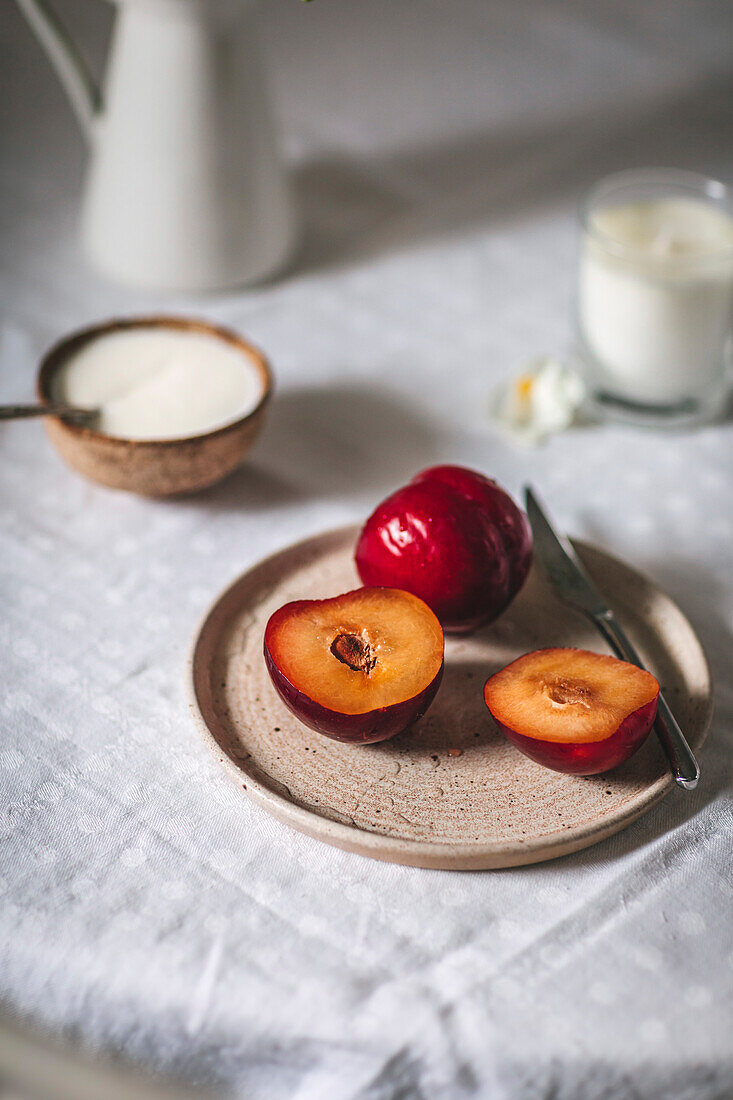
(179, 402)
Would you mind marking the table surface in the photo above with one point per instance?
(146, 906)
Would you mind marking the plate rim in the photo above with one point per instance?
(435, 854)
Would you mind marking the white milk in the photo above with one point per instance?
(160, 383)
(656, 299)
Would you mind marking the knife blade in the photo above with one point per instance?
(560, 563)
(569, 579)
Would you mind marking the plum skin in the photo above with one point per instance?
(375, 725)
(590, 757)
(455, 539)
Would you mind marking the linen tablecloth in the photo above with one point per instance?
(438, 153)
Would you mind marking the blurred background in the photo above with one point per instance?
(406, 122)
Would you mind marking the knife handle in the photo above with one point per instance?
(682, 762)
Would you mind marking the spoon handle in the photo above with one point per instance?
(67, 412)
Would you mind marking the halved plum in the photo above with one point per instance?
(573, 710)
(360, 667)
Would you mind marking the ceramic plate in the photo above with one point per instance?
(451, 792)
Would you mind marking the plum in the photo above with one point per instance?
(573, 710)
(455, 539)
(360, 667)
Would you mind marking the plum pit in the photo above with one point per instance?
(354, 651)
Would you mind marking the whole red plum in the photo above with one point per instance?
(455, 539)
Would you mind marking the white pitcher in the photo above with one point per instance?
(185, 190)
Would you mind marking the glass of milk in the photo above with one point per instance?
(655, 296)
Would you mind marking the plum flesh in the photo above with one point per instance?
(360, 667)
(574, 711)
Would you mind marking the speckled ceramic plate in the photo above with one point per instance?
(451, 792)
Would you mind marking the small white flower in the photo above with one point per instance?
(542, 400)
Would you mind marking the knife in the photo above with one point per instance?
(568, 578)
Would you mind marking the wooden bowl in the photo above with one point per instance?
(153, 467)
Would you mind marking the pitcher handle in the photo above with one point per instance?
(80, 87)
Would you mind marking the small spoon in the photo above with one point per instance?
(67, 412)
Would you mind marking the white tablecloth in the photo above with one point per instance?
(146, 906)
